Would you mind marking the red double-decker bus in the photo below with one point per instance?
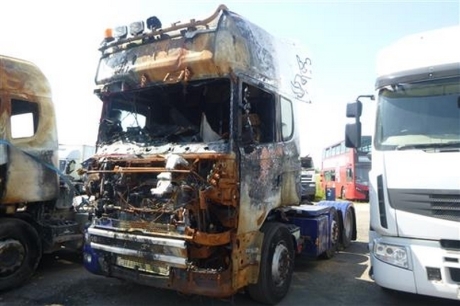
(345, 171)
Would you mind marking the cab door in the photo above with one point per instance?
(261, 156)
(31, 150)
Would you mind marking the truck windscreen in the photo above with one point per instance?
(418, 114)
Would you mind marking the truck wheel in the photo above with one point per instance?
(348, 227)
(276, 265)
(20, 252)
(335, 236)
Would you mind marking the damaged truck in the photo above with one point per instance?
(195, 184)
(36, 212)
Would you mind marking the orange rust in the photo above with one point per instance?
(246, 258)
(209, 283)
(210, 239)
(224, 196)
(202, 195)
(200, 252)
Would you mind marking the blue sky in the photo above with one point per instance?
(343, 37)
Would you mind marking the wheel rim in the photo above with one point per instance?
(281, 264)
(334, 231)
(348, 225)
(12, 254)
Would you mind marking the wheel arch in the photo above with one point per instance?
(342, 207)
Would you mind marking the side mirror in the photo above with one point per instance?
(353, 135)
(354, 109)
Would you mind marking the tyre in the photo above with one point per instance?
(20, 252)
(348, 227)
(276, 265)
(334, 235)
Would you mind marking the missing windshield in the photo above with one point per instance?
(193, 112)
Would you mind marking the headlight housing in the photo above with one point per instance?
(395, 255)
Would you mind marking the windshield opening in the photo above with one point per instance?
(425, 113)
(362, 174)
(192, 112)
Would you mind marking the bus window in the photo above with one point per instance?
(349, 175)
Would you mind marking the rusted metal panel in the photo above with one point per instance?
(28, 181)
(224, 43)
(181, 169)
(22, 77)
(24, 179)
(261, 179)
(246, 258)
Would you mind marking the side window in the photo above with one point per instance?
(329, 175)
(332, 175)
(24, 118)
(349, 175)
(258, 115)
(287, 120)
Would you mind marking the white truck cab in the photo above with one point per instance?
(415, 178)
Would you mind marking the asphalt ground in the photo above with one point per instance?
(342, 280)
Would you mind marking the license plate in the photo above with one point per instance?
(136, 264)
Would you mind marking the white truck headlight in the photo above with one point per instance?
(392, 254)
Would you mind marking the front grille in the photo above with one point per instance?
(306, 178)
(442, 204)
(450, 244)
(134, 249)
(445, 206)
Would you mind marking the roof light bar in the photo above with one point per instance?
(120, 32)
(136, 28)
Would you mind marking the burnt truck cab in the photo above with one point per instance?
(27, 126)
(36, 214)
(197, 156)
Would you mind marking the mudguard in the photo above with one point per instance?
(343, 207)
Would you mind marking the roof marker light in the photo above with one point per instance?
(153, 23)
(108, 35)
(136, 28)
(120, 32)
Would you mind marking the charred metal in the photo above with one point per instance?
(36, 213)
(197, 160)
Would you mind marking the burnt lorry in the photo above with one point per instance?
(36, 211)
(195, 182)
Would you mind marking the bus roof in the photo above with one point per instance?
(219, 46)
